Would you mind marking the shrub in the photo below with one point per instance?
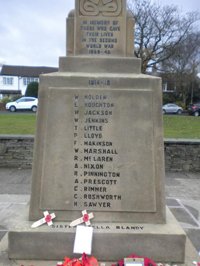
(181, 104)
(3, 103)
(169, 98)
(16, 97)
(5, 100)
(32, 89)
(2, 106)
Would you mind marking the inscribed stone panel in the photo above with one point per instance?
(100, 27)
(102, 157)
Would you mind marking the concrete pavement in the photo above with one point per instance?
(182, 196)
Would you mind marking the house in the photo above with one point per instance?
(14, 79)
(168, 80)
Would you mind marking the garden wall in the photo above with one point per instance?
(180, 155)
(16, 151)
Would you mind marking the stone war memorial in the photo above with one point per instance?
(99, 147)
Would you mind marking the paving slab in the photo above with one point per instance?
(171, 202)
(2, 233)
(15, 181)
(183, 216)
(181, 188)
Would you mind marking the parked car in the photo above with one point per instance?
(24, 103)
(172, 108)
(194, 109)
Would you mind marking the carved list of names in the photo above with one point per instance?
(104, 143)
(95, 180)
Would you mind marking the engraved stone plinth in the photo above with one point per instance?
(111, 241)
(86, 166)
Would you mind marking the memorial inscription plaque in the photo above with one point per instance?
(99, 167)
(101, 29)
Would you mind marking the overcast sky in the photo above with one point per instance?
(32, 32)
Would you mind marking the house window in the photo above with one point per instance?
(168, 87)
(164, 86)
(27, 81)
(7, 81)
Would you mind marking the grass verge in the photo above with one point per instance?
(187, 127)
(174, 126)
(22, 124)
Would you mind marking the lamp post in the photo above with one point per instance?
(192, 92)
(192, 88)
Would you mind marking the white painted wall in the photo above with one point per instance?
(19, 83)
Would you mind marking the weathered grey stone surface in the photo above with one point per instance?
(100, 29)
(110, 242)
(102, 145)
(99, 146)
(190, 256)
(102, 65)
(139, 93)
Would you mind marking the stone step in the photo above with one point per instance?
(88, 64)
(111, 241)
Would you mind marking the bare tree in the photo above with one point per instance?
(182, 66)
(158, 30)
